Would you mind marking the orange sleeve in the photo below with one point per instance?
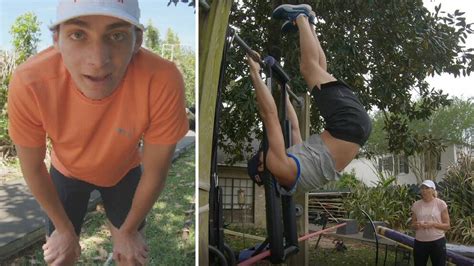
(25, 126)
(168, 121)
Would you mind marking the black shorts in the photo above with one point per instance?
(74, 195)
(343, 113)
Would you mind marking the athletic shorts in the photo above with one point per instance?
(74, 195)
(345, 117)
(316, 165)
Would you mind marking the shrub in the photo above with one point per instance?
(385, 202)
(7, 64)
(457, 189)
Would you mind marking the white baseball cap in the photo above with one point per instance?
(127, 10)
(429, 183)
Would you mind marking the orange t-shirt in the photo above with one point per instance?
(96, 140)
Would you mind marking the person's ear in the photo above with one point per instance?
(138, 40)
(56, 38)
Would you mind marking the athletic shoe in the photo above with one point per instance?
(289, 27)
(291, 12)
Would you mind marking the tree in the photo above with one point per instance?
(25, 33)
(171, 49)
(187, 65)
(152, 37)
(385, 50)
(25, 36)
(171, 46)
(434, 135)
(175, 2)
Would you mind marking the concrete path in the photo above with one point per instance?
(21, 218)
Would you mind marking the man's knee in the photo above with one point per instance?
(314, 74)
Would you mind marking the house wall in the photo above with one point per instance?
(366, 170)
(240, 171)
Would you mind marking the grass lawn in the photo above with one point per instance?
(169, 232)
(357, 253)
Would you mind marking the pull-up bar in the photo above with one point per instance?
(265, 254)
(275, 66)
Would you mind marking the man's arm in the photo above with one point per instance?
(156, 163)
(129, 245)
(282, 167)
(295, 126)
(63, 245)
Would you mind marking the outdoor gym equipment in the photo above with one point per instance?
(275, 66)
(410, 241)
(217, 247)
(280, 209)
(267, 253)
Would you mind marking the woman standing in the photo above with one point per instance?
(430, 219)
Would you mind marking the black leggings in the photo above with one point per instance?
(435, 250)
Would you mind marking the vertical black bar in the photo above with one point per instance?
(288, 205)
(216, 224)
(274, 226)
(272, 200)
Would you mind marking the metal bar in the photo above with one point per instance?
(247, 49)
(265, 254)
(293, 95)
(410, 241)
(275, 66)
(204, 5)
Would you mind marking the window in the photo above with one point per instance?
(395, 164)
(432, 162)
(386, 164)
(403, 164)
(238, 200)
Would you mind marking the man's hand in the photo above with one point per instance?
(62, 248)
(252, 60)
(130, 248)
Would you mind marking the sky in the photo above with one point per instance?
(180, 18)
(460, 87)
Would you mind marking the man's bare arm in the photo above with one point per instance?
(41, 186)
(156, 163)
(295, 126)
(282, 167)
(63, 245)
(129, 244)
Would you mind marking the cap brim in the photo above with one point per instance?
(110, 12)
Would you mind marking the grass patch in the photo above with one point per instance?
(170, 229)
(9, 169)
(357, 253)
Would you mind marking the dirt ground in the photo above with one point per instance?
(9, 172)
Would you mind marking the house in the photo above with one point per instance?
(244, 202)
(406, 169)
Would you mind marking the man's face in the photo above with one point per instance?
(96, 50)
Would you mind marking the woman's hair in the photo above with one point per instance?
(435, 193)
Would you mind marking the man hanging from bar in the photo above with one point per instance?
(308, 164)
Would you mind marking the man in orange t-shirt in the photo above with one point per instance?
(95, 95)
